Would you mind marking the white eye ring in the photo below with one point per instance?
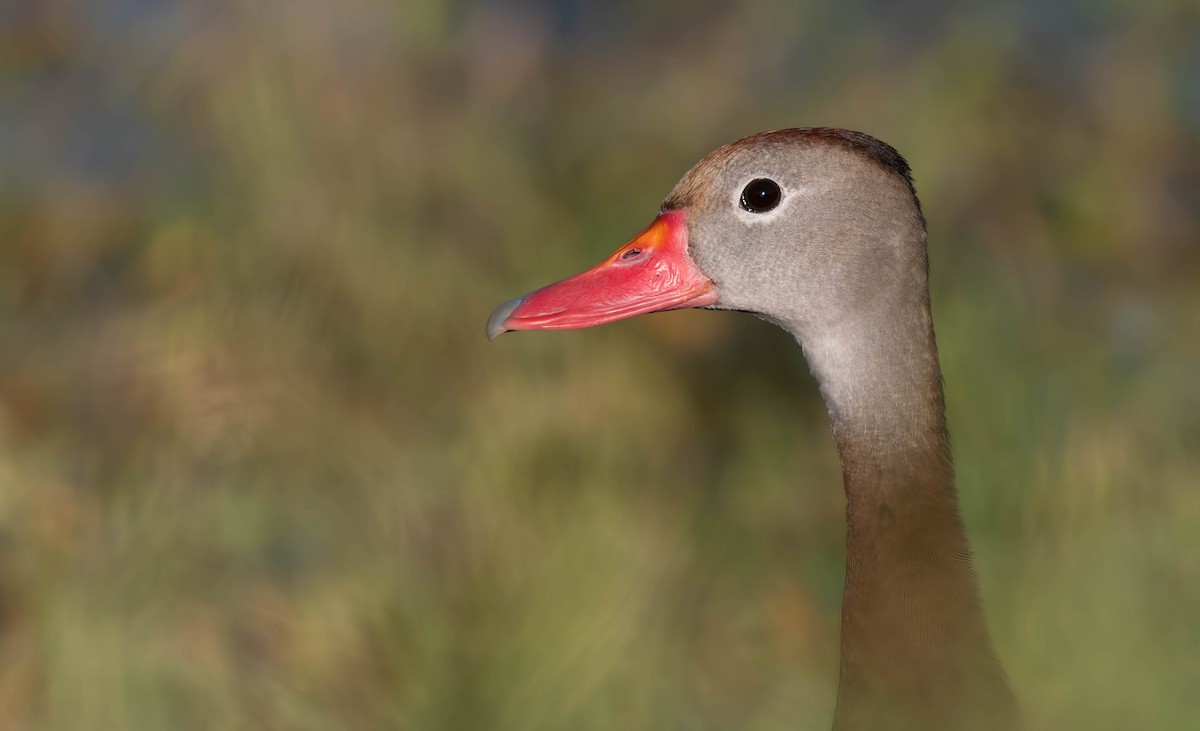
(765, 214)
(760, 196)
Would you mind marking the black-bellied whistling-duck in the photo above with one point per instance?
(820, 232)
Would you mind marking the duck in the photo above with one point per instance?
(819, 231)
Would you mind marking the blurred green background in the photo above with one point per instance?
(260, 469)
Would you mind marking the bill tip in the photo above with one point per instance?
(496, 322)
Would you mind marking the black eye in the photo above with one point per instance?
(761, 195)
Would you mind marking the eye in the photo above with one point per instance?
(761, 195)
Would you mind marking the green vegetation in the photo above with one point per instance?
(260, 469)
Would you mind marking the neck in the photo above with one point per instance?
(915, 646)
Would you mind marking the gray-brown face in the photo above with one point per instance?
(810, 228)
(804, 227)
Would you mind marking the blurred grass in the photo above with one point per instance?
(260, 468)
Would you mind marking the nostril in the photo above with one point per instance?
(631, 254)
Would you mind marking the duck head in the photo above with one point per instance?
(803, 227)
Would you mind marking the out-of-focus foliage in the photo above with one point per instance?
(259, 467)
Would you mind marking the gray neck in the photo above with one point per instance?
(915, 646)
